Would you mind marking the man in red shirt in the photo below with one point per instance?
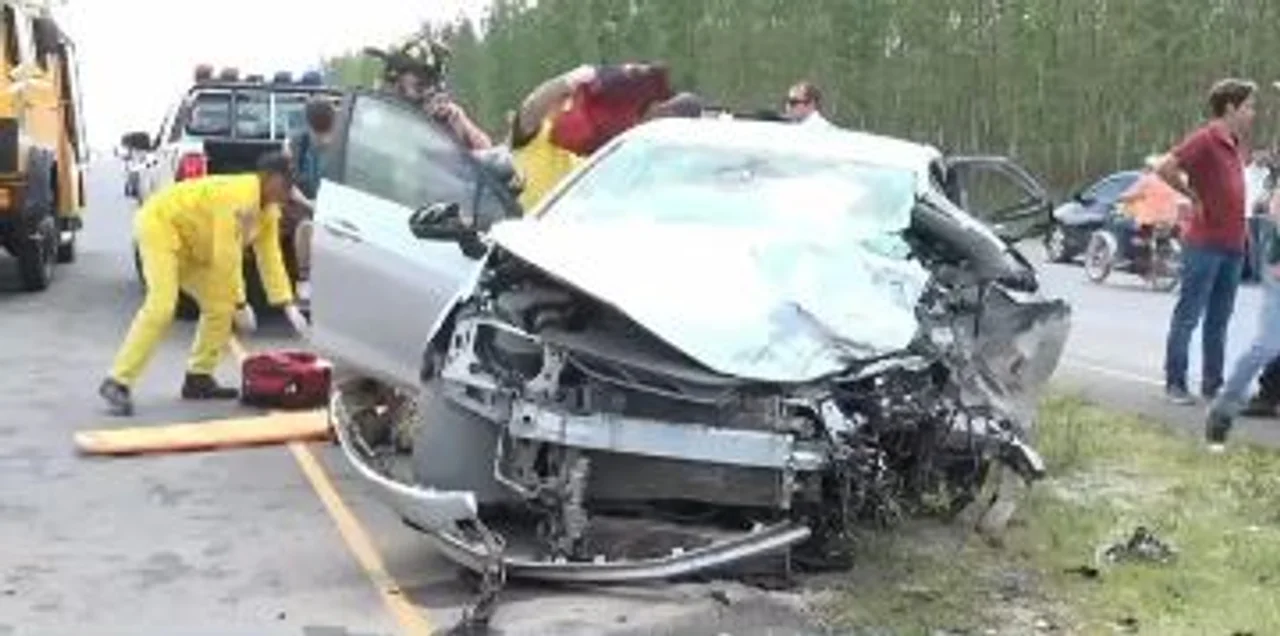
(1213, 239)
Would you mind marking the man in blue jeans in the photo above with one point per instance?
(1214, 237)
(1233, 398)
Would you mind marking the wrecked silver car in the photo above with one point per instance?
(715, 340)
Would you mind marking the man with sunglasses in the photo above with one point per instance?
(804, 105)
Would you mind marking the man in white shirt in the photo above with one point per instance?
(804, 105)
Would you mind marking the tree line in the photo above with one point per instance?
(1071, 88)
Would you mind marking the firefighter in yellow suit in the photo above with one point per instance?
(192, 236)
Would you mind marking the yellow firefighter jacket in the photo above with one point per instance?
(212, 220)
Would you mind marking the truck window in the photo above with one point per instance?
(26, 42)
(210, 115)
(291, 115)
(253, 115)
(291, 112)
(10, 37)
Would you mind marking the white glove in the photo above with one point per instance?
(297, 320)
(245, 320)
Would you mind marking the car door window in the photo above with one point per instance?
(396, 153)
(996, 191)
(991, 193)
(491, 205)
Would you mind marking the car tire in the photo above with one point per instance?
(1055, 245)
(36, 246)
(1100, 256)
(67, 251)
(1170, 264)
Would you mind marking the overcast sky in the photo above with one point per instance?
(137, 56)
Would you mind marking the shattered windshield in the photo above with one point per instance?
(785, 190)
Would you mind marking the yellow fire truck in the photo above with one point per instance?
(42, 144)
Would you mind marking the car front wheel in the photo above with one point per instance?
(1100, 256)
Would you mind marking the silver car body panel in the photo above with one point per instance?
(760, 542)
(787, 326)
(380, 295)
(426, 507)
(375, 286)
(656, 438)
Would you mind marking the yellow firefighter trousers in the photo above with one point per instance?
(165, 272)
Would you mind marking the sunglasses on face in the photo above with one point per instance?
(796, 101)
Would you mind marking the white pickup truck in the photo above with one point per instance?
(223, 125)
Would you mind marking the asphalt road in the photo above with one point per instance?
(1115, 354)
(239, 541)
(235, 541)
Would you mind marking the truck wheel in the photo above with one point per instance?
(37, 251)
(67, 251)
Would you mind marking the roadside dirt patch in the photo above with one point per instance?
(934, 578)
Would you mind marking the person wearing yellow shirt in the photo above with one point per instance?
(539, 160)
(192, 236)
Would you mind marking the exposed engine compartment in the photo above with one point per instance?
(594, 407)
(596, 430)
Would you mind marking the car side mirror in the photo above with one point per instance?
(437, 221)
(139, 141)
(446, 222)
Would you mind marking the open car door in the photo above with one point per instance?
(377, 291)
(999, 192)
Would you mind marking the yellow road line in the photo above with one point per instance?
(412, 620)
(353, 533)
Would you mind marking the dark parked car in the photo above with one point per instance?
(1074, 220)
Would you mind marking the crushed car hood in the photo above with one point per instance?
(765, 304)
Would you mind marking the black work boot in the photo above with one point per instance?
(1216, 427)
(200, 386)
(1260, 406)
(119, 402)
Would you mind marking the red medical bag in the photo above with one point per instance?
(602, 110)
(285, 379)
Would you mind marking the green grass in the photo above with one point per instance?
(1109, 473)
